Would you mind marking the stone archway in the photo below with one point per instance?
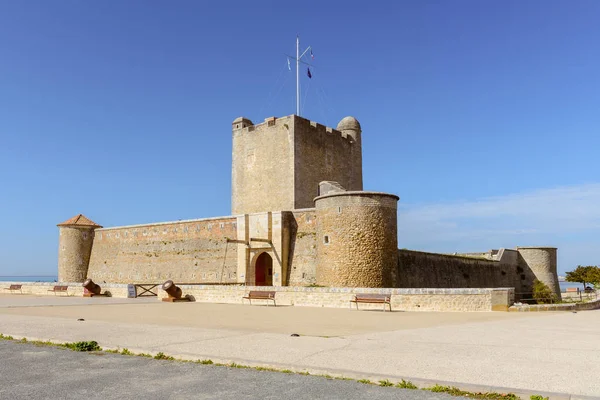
(263, 270)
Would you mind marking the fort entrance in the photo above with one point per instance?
(263, 270)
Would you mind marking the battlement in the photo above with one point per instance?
(243, 125)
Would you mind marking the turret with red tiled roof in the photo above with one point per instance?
(75, 248)
(79, 220)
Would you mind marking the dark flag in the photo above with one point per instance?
(308, 72)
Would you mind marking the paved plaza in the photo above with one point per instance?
(544, 352)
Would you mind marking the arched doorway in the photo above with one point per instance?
(263, 270)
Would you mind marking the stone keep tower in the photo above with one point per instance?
(76, 236)
(278, 165)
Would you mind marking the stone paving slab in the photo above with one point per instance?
(549, 352)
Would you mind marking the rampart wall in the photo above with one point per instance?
(419, 269)
(303, 247)
(193, 251)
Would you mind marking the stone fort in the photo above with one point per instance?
(300, 217)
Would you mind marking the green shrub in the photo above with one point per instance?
(537, 397)
(90, 345)
(542, 293)
(365, 381)
(385, 382)
(163, 356)
(406, 385)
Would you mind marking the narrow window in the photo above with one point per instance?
(326, 239)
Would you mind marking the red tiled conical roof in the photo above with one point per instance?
(79, 220)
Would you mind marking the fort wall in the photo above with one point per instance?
(539, 263)
(262, 177)
(193, 251)
(420, 269)
(303, 247)
(278, 165)
(357, 239)
(74, 248)
(323, 154)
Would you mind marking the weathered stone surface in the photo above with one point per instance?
(357, 239)
(277, 165)
(539, 263)
(185, 251)
(74, 248)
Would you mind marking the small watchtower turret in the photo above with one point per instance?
(350, 127)
(76, 236)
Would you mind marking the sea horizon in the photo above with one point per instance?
(28, 278)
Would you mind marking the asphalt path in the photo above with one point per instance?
(33, 372)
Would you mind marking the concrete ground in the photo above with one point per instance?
(543, 352)
(40, 373)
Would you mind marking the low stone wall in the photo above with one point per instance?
(75, 288)
(497, 299)
(401, 299)
(592, 305)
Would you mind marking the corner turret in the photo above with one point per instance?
(350, 127)
(76, 236)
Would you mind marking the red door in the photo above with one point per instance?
(264, 270)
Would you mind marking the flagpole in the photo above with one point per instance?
(297, 75)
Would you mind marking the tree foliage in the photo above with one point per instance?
(588, 274)
(542, 293)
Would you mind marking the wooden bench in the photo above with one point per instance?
(59, 289)
(373, 298)
(14, 288)
(260, 295)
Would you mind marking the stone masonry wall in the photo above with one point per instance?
(191, 251)
(539, 263)
(322, 154)
(419, 269)
(357, 239)
(262, 167)
(402, 299)
(303, 247)
(74, 248)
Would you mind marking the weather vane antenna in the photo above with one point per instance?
(298, 59)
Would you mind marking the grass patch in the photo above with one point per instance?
(126, 352)
(204, 362)
(6, 337)
(537, 397)
(406, 385)
(163, 356)
(454, 391)
(365, 381)
(90, 345)
(385, 383)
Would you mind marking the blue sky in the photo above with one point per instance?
(482, 116)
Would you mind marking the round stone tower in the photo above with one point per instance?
(76, 236)
(350, 127)
(539, 263)
(357, 240)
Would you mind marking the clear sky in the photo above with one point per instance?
(482, 116)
